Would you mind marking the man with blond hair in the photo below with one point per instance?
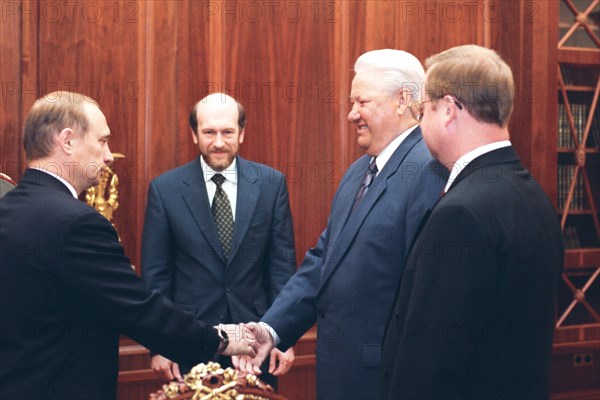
(474, 315)
(222, 270)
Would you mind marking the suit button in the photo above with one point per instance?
(228, 289)
(321, 314)
(222, 317)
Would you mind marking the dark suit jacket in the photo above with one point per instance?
(475, 311)
(66, 292)
(348, 281)
(182, 257)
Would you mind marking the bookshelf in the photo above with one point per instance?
(577, 336)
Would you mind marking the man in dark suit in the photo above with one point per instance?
(347, 283)
(184, 256)
(474, 315)
(66, 287)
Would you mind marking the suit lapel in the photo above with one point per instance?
(346, 235)
(247, 197)
(196, 199)
(347, 196)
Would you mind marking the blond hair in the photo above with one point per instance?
(477, 77)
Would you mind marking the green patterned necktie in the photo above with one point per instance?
(222, 214)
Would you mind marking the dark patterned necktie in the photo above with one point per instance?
(364, 187)
(222, 214)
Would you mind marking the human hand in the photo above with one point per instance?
(166, 369)
(241, 340)
(281, 362)
(265, 344)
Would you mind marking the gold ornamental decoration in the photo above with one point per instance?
(104, 197)
(211, 382)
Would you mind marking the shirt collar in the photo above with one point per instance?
(463, 161)
(230, 173)
(387, 152)
(67, 184)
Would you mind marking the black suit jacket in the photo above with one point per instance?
(66, 292)
(474, 315)
(182, 257)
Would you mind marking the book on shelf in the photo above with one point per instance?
(580, 114)
(571, 237)
(565, 177)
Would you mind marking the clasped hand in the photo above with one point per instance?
(242, 342)
(264, 340)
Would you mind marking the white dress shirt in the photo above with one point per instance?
(229, 185)
(387, 152)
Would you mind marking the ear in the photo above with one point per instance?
(403, 97)
(241, 136)
(450, 111)
(66, 140)
(194, 136)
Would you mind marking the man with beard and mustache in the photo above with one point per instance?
(218, 237)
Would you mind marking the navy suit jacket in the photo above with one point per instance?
(182, 257)
(66, 292)
(347, 283)
(474, 316)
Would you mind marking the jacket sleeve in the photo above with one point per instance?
(281, 256)
(94, 267)
(295, 309)
(157, 249)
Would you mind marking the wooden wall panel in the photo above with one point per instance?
(428, 27)
(278, 62)
(530, 56)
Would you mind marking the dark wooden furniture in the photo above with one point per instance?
(577, 339)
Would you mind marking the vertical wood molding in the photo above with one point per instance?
(143, 162)
(344, 72)
(11, 80)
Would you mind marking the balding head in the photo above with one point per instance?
(217, 123)
(217, 101)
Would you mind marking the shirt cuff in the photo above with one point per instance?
(274, 335)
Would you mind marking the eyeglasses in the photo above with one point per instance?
(421, 105)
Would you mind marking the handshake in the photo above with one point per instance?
(247, 344)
